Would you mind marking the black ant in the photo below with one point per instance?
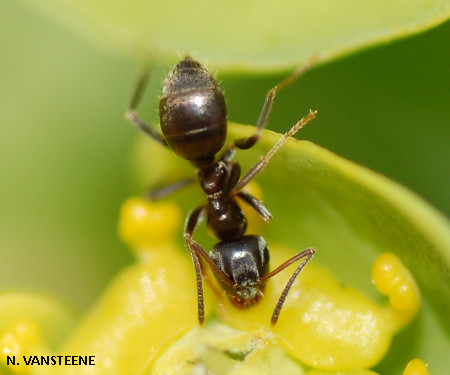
(193, 118)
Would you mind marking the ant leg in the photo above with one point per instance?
(308, 254)
(234, 176)
(220, 294)
(228, 154)
(246, 143)
(258, 167)
(134, 118)
(193, 220)
(256, 204)
(166, 190)
(208, 279)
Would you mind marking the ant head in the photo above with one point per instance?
(192, 111)
(244, 261)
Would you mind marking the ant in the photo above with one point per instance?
(193, 118)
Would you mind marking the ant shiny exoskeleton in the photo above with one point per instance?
(193, 118)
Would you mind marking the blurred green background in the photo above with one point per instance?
(65, 147)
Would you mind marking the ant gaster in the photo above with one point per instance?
(193, 118)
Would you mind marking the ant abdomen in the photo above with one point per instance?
(192, 111)
(244, 260)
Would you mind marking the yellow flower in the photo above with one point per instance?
(146, 320)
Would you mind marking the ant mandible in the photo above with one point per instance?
(193, 118)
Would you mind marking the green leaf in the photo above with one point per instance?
(351, 215)
(244, 34)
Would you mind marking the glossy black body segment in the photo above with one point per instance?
(193, 113)
(244, 260)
